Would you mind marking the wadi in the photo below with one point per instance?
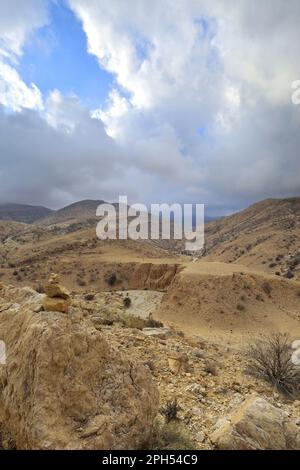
(125, 344)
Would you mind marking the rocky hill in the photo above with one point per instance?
(77, 212)
(265, 236)
(23, 212)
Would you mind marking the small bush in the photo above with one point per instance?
(171, 436)
(111, 279)
(151, 323)
(267, 288)
(132, 321)
(89, 297)
(210, 368)
(270, 360)
(127, 301)
(240, 307)
(170, 410)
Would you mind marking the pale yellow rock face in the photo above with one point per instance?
(56, 304)
(63, 385)
(256, 425)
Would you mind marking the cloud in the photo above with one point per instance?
(17, 21)
(61, 158)
(203, 91)
(200, 108)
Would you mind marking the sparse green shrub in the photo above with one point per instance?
(270, 360)
(132, 321)
(171, 436)
(111, 279)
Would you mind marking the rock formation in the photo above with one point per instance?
(63, 386)
(57, 296)
(256, 425)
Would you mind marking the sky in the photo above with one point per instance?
(183, 101)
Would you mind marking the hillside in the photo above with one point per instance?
(23, 212)
(266, 236)
(79, 211)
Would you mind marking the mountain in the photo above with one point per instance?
(77, 212)
(265, 235)
(23, 212)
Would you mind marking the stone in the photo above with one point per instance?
(162, 332)
(64, 386)
(54, 289)
(56, 304)
(256, 425)
(178, 362)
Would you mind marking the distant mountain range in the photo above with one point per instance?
(23, 212)
(76, 212)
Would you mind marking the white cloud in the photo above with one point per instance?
(17, 21)
(14, 93)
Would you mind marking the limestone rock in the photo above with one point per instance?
(162, 332)
(256, 425)
(54, 289)
(56, 304)
(178, 362)
(63, 385)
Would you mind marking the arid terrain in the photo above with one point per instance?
(188, 322)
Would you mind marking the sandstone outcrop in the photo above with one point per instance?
(178, 362)
(57, 297)
(256, 425)
(64, 387)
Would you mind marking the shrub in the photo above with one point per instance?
(210, 368)
(267, 288)
(89, 297)
(240, 307)
(170, 410)
(171, 436)
(132, 321)
(111, 279)
(151, 323)
(127, 301)
(270, 360)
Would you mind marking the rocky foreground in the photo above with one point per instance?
(93, 377)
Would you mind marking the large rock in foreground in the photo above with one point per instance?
(63, 386)
(256, 425)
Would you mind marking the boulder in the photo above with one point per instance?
(54, 289)
(57, 297)
(161, 332)
(178, 362)
(256, 425)
(56, 304)
(64, 387)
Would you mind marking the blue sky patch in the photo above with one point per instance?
(57, 57)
